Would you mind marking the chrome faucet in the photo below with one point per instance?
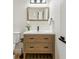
(37, 28)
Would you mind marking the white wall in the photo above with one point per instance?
(18, 15)
(63, 17)
(62, 46)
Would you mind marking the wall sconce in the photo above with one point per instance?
(37, 1)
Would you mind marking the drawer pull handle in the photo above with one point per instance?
(31, 47)
(45, 38)
(45, 47)
(31, 38)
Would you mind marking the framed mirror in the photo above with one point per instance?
(37, 13)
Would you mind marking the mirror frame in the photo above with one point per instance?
(37, 19)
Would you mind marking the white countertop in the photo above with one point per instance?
(38, 32)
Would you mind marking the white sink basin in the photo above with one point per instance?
(38, 32)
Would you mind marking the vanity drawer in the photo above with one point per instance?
(45, 38)
(30, 38)
(38, 50)
(39, 38)
(39, 45)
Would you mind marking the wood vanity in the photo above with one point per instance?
(39, 46)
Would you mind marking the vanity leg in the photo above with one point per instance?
(53, 56)
(24, 56)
